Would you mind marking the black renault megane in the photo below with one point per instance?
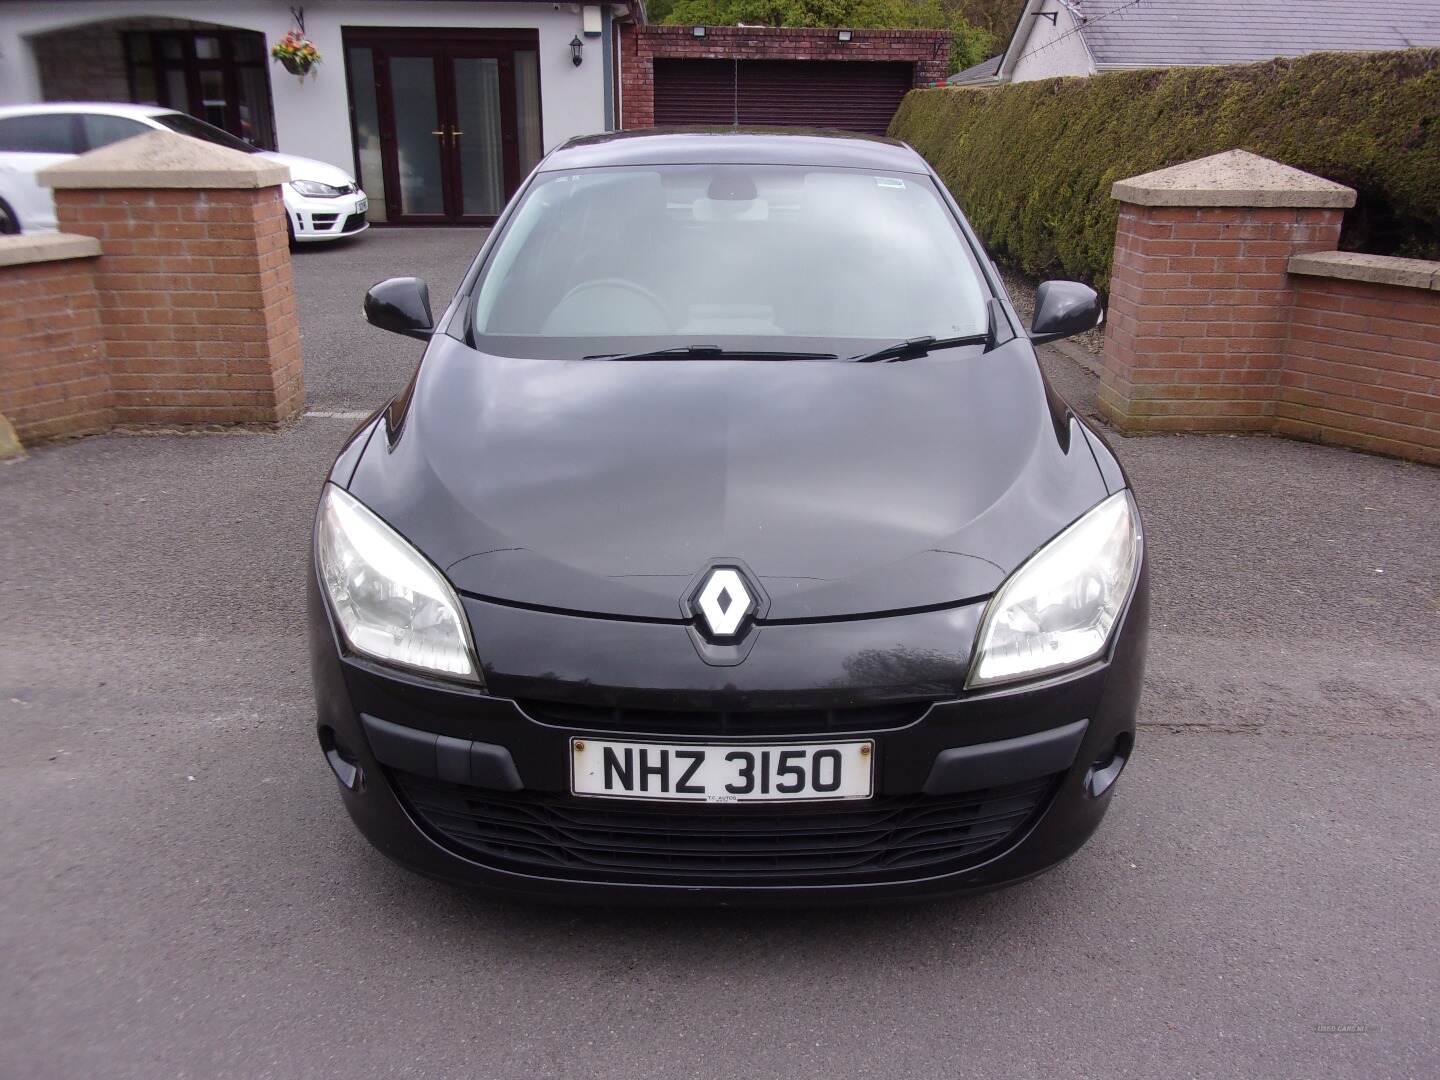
(728, 545)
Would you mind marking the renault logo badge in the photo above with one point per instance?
(723, 602)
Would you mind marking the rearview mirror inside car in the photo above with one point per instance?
(402, 306)
(1063, 308)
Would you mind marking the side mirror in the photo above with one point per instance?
(1063, 308)
(402, 306)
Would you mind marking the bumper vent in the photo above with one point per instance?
(774, 722)
(605, 840)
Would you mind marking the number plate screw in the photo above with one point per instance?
(579, 746)
(864, 751)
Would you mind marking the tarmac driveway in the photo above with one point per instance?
(183, 895)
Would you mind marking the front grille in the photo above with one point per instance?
(353, 222)
(611, 840)
(763, 722)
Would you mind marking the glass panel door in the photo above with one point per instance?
(365, 105)
(419, 136)
(477, 137)
(445, 127)
(527, 109)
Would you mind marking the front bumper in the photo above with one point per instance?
(313, 220)
(974, 791)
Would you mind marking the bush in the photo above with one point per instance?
(968, 44)
(1032, 164)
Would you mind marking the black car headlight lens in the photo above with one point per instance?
(316, 190)
(1058, 609)
(390, 602)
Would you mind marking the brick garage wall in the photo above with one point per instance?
(53, 380)
(640, 46)
(1363, 367)
(1199, 313)
(197, 303)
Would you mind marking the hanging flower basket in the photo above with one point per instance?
(297, 54)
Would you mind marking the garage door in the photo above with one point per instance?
(839, 94)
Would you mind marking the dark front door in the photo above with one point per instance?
(447, 126)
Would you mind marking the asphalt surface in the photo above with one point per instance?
(183, 896)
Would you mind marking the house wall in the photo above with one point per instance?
(1052, 51)
(312, 117)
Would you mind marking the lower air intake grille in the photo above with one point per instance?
(609, 840)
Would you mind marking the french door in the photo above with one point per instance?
(445, 128)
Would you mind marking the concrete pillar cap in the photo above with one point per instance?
(1234, 178)
(164, 159)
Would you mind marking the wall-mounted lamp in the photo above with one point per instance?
(844, 35)
(699, 31)
(576, 48)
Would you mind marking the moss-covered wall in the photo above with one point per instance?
(1032, 164)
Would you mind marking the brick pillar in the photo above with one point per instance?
(197, 302)
(1200, 300)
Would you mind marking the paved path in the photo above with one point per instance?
(183, 896)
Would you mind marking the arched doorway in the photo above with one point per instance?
(213, 72)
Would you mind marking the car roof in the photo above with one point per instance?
(736, 146)
(106, 108)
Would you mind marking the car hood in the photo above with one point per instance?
(304, 168)
(846, 489)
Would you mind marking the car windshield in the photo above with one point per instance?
(199, 129)
(756, 258)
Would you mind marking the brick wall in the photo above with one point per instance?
(53, 382)
(1363, 367)
(197, 303)
(1199, 313)
(640, 46)
(1231, 310)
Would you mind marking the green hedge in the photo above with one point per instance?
(1032, 163)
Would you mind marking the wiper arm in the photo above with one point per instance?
(918, 346)
(712, 352)
(997, 332)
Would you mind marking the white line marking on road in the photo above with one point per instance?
(335, 414)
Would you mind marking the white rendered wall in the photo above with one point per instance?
(312, 118)
(1052, 51)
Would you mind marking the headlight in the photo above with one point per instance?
(1058, 608)
(390, 602)
(316, 190)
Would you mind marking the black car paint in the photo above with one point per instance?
(572, 502)
(837, 483)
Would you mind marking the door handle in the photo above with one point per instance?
(455, 137)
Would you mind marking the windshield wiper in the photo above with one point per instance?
(712, 352)
(918, 346)
(997, 332)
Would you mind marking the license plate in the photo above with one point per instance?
(362, 206)
(684, 772)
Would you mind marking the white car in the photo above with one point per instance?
(322, 202)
